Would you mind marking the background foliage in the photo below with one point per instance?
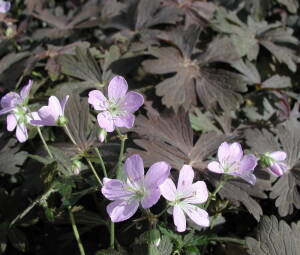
(211, 71)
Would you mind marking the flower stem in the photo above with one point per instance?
(44, 142)
(33, 204)
(69, 134)
(94, 171)
(89, 162)
(75, 231)
(112, 235)
(213, 195)
(123, 139)
(101, 162)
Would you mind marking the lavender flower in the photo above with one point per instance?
(4, 6)
(233, 162)
(15, 105)
(118, 109)
(52, 114)
(273, 162)
(185, 197)
(136, 189)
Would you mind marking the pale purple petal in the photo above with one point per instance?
(196, 214)
(157, 174)
(98, 100)
(54, 108)
(179, 218)
(199, 193)
(223, 152)
(185, 180)
(63, 103)
(278, 169)
(24, 93)
(134, 168)
(6, 110)
(117, 88)
(215, 167)
(113, 189)
(46, 116)
(125, 120)
(250, 178)
(4, 6)
(121, 210)
(105, 121)
(11, 99)
(151, 198)
(168, 190)
(278, 155)
(21, 133)
(248, 163)
(11, 120)
(132, 102)
(235, 152)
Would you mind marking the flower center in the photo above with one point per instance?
(20, 114)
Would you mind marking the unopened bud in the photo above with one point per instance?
(102, 135)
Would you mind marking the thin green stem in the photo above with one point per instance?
(213, 195)
(94, 171)
(75, 231)
(123, 139)
(44, 142)
(33, 204)
(69, 134)
(112, 235)
(101, 162)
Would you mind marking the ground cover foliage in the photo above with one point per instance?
(209, 71)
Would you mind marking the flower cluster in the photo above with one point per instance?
(137, 189)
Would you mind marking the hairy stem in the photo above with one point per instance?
(227, 239)
(121, 155)
(33, 204)
(213, 195)
(94, 171)
(44, 142)
(101, 162)
(69, 134)
(75, 231)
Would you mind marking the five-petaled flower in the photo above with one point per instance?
(135, 189)
(274, 162)
(4, 6)
(118, 109)
(185, 198)
(52, 114)
(232, 161)
(15, 105)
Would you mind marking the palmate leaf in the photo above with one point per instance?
(170, 138)
(63, 26)
(248, 37)
(11, 158)
(82, 66)
(194, 73)
(79, 124)
(275, 238)
(284, 190)
(195, 12)
(138, 16)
